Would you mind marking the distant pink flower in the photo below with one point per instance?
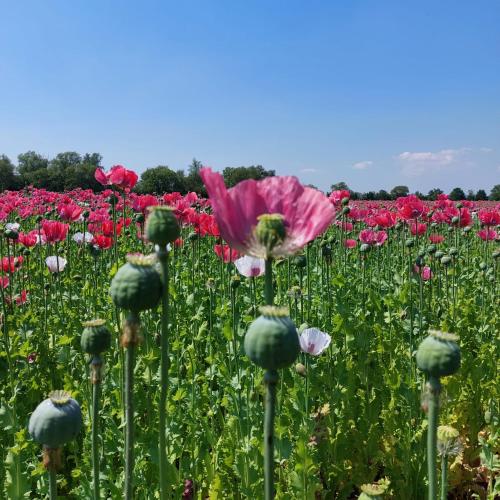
(350, 243)
(118, 176)
(436, 238)
(31, 358)
(336, 197)
(250, 266)
(425, 272)
(4, 281)
(370, 237)
(226, 253)
(489, 217)
(418, 229)
(345, 225)
(306, 211)
(487, 234)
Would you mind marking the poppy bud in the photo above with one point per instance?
(431, 249)
(85, 214)
(11, 234)
(455, 220)
(453, 251)
(346, 210)
(301, 369)
(365, 248)
(467, 229)
(235, 282)
(271, 341)
(439, 254)
(460, 205)
(446, 260)
(300, 261)
(409, 242)
(96, 337)
(139, 218)
(438, 355)
(137, 285)
(162, 226)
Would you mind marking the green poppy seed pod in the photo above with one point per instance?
(433, 225)
(364, 248)
(346, 210)
(483, 266)
(85, 214)
(409, 242)
(26, 252)
(137, 285)
(496, 253)
(96, 337)
(270, 230)
(235, 282)
(454, 220)
(467, 229)
(431, 249)
(438, 355)
(139, 218)
(300, 369)
(397, 225)
(345, 201)
(446, 260)
(300, 261)
(326, 252)
(451, 229)
(453, 251)
(162, 226)
(419, 261)
(271, 341)
(11, 234)
(38, 219)
(56, 420)
(439, 254)
(460, 204)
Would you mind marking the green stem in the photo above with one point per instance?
(163, 258)
(444, 477)
(271, 380)
(434, 386)
(129, 420)
(268, 282)
(96, 392)
(52, 484)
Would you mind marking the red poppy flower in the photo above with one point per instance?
(226, 253)
(118, 176)
(54, 231)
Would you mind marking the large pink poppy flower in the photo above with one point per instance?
(306, 212)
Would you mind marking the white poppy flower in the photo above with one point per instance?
(314, 341)
(83, 238)
(55, 263)
(250, 266)
(13, 226)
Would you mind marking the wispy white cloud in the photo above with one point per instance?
(309, 170)
(486, 150)
(362, 165)
(417, 163)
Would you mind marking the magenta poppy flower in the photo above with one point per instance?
(350, 243)
(487, 234)
(306, 212)
(370, 237)
(425, 272)
(118, 176)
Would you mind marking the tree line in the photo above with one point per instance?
(70, 170)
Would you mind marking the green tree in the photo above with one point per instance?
(495, 193)
(8, 178)
(457, 194)
(434, 193)
(383, 195)
(234, 175)
(160, 180)
(63, 161)
(30, 162)
(481, 195)
(193, 179)
(339, 186)
(420, 195)
(399, 191)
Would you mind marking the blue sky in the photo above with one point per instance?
(372, 93)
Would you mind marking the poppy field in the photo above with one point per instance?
(268, 341)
